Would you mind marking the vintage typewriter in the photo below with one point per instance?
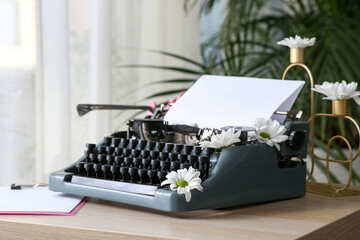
(128, 166)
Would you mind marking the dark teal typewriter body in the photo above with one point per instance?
(249, 173)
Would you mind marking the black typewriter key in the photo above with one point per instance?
(137, 162)
(204, 160)
(126, 152)
(110, 150)
(209, 151)
(101, 150)
(109, 160)
(135, 152)
(162, 175)
(169, 147)
(165, 165)
(133, 171)
(89, 167)
(173, 157)
(93, 157)
(142, 144)
(143, 173)
(115, 142)
(151, 145)
(182, 157)
(145, 153)
(128, 161)
(197, 150)
(97, 166)
(80, 167)
(164, 155)
(115, 170)
(204, 165)
(98, 171)
(188, 148)
(155, 164)
(178, 147)
(118, 160)
(134, 174)
(174, 166)
(154, 154)
(160, 146)
(87, 159)
(87, 153)
(133, 143)
(118, 151)
(90, 147)
(107, 141)
(101, 158)
(125, 173)
(145, 163)
(106, 171)
(193, 160)
(153, 177)
(184, 165)
(124, 142)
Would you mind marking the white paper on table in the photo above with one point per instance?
(219, 101)
(39, 199)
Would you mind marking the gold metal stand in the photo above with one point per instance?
(297, 59)
(339, 110)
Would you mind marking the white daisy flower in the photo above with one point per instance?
(183, 181)
(270, 132)
(223, 140)
(338, 91)
(297, 42)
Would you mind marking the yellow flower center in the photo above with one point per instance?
(265, 135)
(182, 183)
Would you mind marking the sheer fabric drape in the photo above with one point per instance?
(40, 129)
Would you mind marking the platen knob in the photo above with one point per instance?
(297, 139)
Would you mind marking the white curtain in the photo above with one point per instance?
(53, 88)
(17, 81)
(69, 52)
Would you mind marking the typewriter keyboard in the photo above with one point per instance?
(124, 164)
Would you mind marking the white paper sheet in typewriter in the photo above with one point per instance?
(218, 101)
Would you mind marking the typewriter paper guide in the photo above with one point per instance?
(219, 101)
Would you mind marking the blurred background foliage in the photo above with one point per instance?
(246, 46)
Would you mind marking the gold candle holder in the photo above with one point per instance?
(339, 110)
(297, 55)
(297, 59)
(339, 107)
(332, 189)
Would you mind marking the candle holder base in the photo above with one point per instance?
(326, 190)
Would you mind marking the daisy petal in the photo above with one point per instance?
(190, 176)
(270, 132)
(187, 194)
(223, 140)
(338, 91)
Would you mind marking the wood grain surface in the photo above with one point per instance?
(344, 228)
(100, 219)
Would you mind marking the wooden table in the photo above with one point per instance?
(99, 219)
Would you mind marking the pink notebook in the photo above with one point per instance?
(38, 201)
